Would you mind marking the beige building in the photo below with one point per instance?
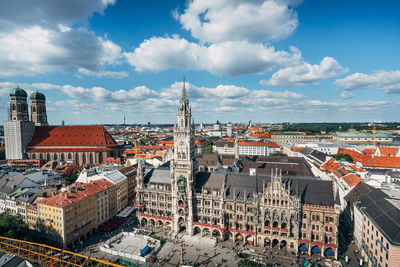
(119, 193)
(376, 218)
(294, 137)
(74, 213)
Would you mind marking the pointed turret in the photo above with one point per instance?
(139, 174)
(184, 94)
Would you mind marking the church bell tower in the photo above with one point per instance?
(184, 167)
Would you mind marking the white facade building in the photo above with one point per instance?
(257, 148)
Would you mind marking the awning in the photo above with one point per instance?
(303, 247)
(126, 212)
(329, 252)
(316, 249)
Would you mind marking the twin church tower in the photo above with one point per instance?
(20, 127)
(19, 107)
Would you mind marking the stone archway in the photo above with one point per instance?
(315, 250)
(181, 225)
(216, 233)
(196, 230)
(283, 244)
(143, 222)
(275, 242)
(160, 223)
(329, 253)
(206, 232)
(250, 239)
(238, 237)
(303, 247)
(267, 242)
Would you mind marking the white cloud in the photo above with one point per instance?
(388, 81)
(231, 58)
(225, 20)
(305, 73)
(230, 102)
(38, 37)
(48, 13)
(109, 74)
(346, 95)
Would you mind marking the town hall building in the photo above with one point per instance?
(295, 213)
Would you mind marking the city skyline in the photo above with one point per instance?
(286, 61)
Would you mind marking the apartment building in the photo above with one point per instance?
(376, 221)
(74, 213)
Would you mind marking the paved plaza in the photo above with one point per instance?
(224, 253)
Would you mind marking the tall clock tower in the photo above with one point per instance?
(184, 168)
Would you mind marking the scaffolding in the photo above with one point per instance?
(46, 255)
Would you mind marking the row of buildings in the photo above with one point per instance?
(80, 208)
(368, 182)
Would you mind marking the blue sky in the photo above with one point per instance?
(266, 61)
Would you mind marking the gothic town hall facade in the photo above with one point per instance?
(295, 213)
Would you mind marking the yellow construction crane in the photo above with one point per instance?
(48, 256)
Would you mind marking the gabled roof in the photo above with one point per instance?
(351, 179)
(387, 151)
(71, 136)
(360, 190)
(77, 192)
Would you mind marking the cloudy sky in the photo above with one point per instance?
(268, 61)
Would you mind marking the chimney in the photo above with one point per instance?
(253, 172)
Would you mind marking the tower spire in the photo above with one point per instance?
(184, 95)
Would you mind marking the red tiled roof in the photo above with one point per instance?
(351, 179)
(372, 161)
(111, 160)
(260, 134)
(369, 151)
(75, 149)
(71, 136)
(297, 148)
(80, 191)
(331, 166)
(388, 151)
(127, 169)
(269, 144)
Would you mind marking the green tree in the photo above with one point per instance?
(72, 178)
(209, 150)
(278, 154)
(247, 263)
(13, 226)
(345, 157)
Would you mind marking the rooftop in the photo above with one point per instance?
(378, 206)
(71, 136)
(76, 193)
